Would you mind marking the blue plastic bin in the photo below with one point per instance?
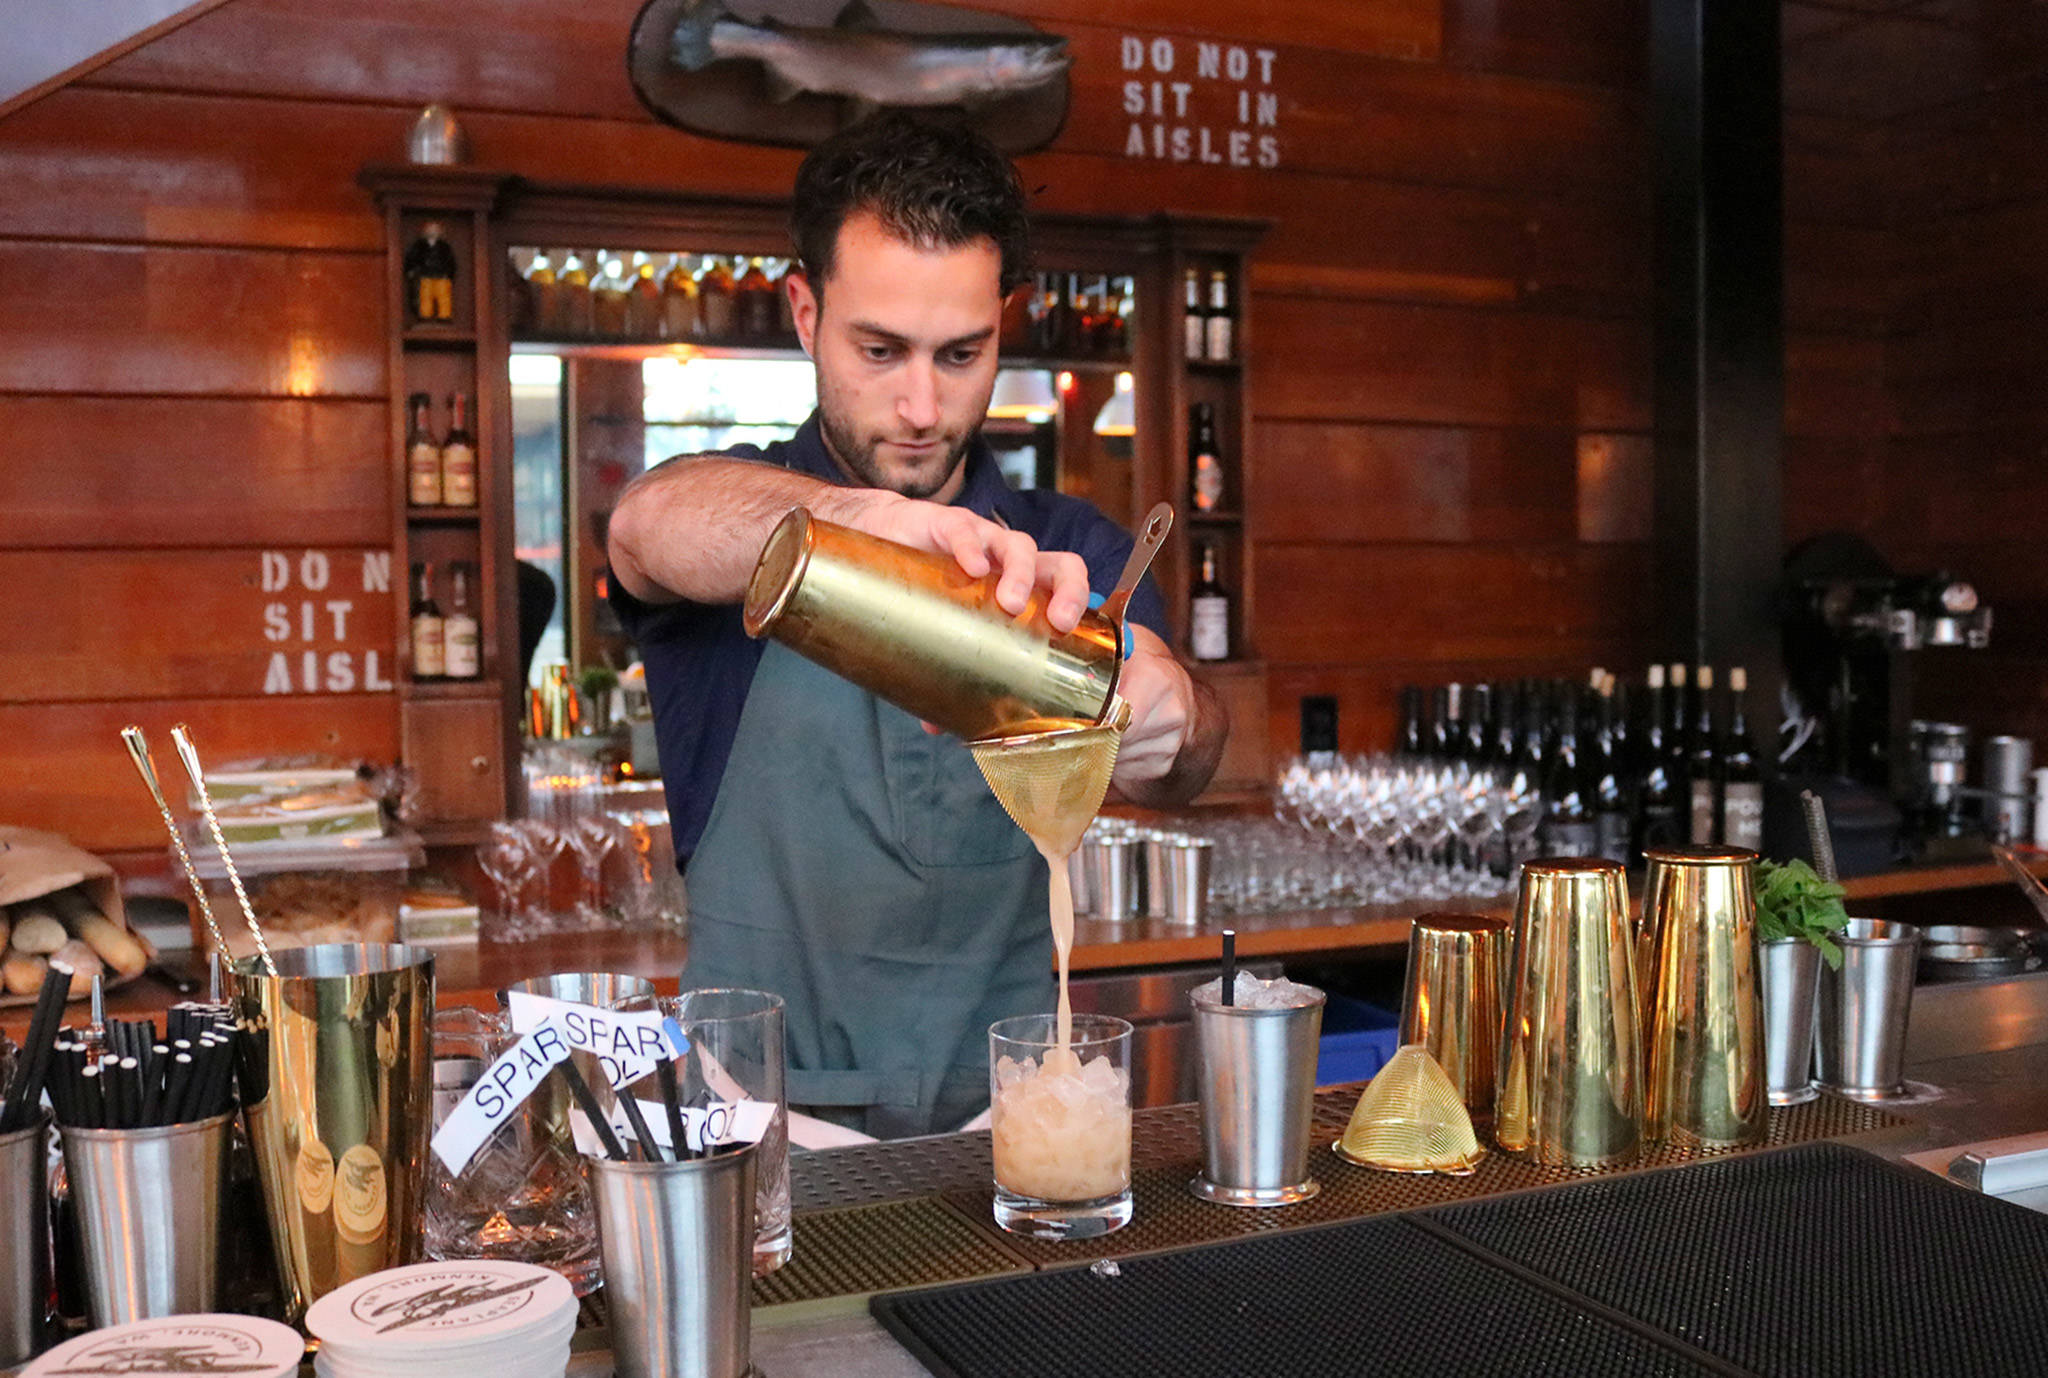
(1358, 1040)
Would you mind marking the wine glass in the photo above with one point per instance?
(508, 859)
(592, 837)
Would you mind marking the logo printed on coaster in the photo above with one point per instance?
(446, 1299)
(178, 1345)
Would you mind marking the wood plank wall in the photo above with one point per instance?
(1917, 196)
(1449, 394)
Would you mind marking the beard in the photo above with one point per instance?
(858, 454)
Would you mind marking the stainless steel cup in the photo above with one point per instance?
(2007, 763)
(24, 1240)
(1189, 861)
(1702, 1009)
(1791, 980)
(1078, 880)
(1152, 850)
(678, 1241)
(1864, 1009)
(1257, 1083)
(1112, 876)
(148, 1204)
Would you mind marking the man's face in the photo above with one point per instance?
(905, 348)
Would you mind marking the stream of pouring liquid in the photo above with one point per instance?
(1059, 893)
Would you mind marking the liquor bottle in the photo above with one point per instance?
(1742, 782)
(678, 301)
(715, 306)
(458, 456)
(429, 644)
(1656, 787)
(1678, 742)
(1205, 465)
(1479, 726)
(643, 300)
(1043, 304)
(1451, 732)
(1507, 720)
(1220, 327)
(572, 296)
(460, 638)
(1436, 730)
(1612, 821)
(1568, 826)
(1529, 769)
(1703, 763)
(540, 289)
(1124, 292)
(1195, 343)
(756, 302)
(785, 309)
(608, 292)
(422, 455)
(1409, 742)
(518, 299)
(1209, 612)
(1066, 318)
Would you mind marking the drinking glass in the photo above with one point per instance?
(592, 837)
(507, 857)
(1060, 1120)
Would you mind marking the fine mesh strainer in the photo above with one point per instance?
(1052, 783)
(1411, 1119)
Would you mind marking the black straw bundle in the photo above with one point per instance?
(32, 1066)
(120, 1077)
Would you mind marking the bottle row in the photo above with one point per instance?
(1615, 767)
(617, 294)
(1209, 320)
(439, 473)
(444, 645)
(1071, 316)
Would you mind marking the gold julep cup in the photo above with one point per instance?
(341, 1051)
(1703, 1016)
(913, 628)
(1450, 1003)
(1570, 1092)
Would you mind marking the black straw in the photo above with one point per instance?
(639, 1123)
(672, 1099)
(32, 1065)
(1229, 977)
(580, 1089)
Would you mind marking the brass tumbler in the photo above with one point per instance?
(1703, 1011)
(343, 1079)
(1451, 1001)
(911, 627)
(1571, 1074)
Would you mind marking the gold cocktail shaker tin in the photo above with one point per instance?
(1451, 1000)
(913, 628)
(1571, 1073)
(1703, 1018)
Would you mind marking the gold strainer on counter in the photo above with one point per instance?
(1410, 1118)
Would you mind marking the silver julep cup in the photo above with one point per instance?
(1154, 847)
(1791, 978)
(1113, 877)
(1257, 1087)
(1189, 861)
(1864, 1008)
(24, 1240)
(148, 1204)
(678, 1240)
(2008, 761)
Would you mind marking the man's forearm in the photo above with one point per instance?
(694, 527)
(1195, 763)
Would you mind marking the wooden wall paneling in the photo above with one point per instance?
(223, 171)
(1881, 67)
(1247, 759)
(1836, 170)
(172, 624)
(188, 321)
(1834, 385)
(1359, 481)
(1983, 487)
(1407, 29)
(1983, 267)
(1368, 603)
(1602, 42)
(65, 768)
(1356, 360)
(1834, 483)
(133, 472)
(1838, 277)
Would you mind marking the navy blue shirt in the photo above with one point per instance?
(700, 661)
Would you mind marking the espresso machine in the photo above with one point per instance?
(1857, 635)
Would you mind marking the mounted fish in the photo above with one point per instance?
(794, 72)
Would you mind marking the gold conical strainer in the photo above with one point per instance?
(1052, 783)
(1411, 1119)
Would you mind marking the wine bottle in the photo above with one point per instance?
(1568, 827)
(1507, 704)
(462, 645)
(1219, 327)
(1703, 763)
(1209, 612)
(1742, 781)
(1678, 742)
(643, 300)
(1452, 736)
(1529, 769)
(428, 630)
(1479, 725)
(717, 311)
(678, 300)
(422, 455)
(1437, 731)
(458, 456)
(1409, 742)
(1656, 788)
(1195, 339)
(1611, 819)
(1205, 464)
(572, 295)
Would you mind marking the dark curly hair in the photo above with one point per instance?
(932, 183)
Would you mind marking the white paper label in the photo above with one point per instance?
(1209, 628)
(504, 1086)
(628, 1044)
(726, 1122)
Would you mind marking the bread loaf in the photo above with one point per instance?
(82, 960)
(37, 931)
(21, 973)
(115, 945)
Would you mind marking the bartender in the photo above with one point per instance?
(838, 852)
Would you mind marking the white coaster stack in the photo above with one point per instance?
(434, 1320)
(179, 1346)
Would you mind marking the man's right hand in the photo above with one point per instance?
(980, 546)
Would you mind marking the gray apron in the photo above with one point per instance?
(859, 867)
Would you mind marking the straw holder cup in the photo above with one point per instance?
(24, 1239)
(911, 627)
(149, 1214)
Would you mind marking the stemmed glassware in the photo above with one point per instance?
(593, 836)
(507, 857)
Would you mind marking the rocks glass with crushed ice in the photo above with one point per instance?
(1061, 1121)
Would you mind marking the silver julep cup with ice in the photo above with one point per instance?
(678, 1243)
(1257, 1088)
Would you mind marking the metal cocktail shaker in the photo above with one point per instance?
(911, 627)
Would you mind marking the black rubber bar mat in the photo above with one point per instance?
(1381, 1297)
(1813, 1262)
(917, 1243)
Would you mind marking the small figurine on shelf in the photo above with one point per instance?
(430, 275)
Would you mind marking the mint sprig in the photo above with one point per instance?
(1792, 901)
